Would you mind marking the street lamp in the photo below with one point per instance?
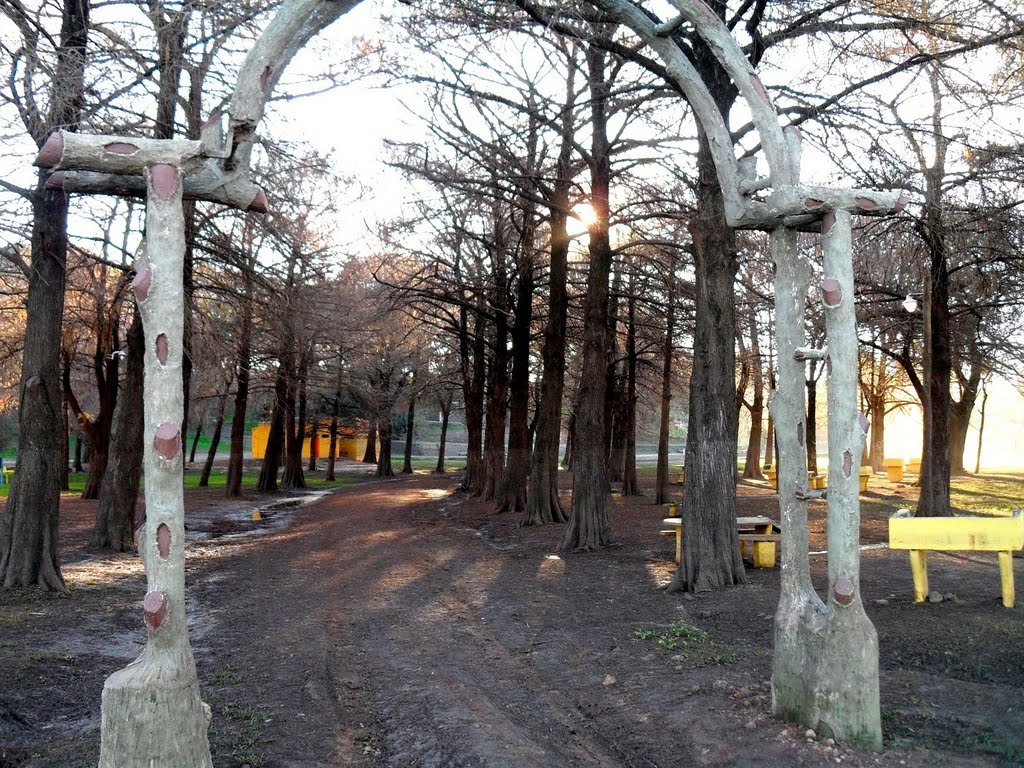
(910, 304)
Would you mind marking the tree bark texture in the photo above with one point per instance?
(195, 442)
(445, 404)
(472, 350)
(752, 464)
(218, 427)
(961, 410)
(542, 502)
(28, 526)
(497, 408)
(275, 438)
(933, 500)
(588, 526)
(151, 711)
(410, 422)
(332, 450)
(236, 461)
(512, 495)
(115, 514)
(630, 482)
(711, 557)
(296, 427)
(661, 495)
(811, 430)
(370, 453)
(825, 669)
(384, 468)
(981, 426)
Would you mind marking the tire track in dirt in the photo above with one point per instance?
(382, 644)
(450, 689)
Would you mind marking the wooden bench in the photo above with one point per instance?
(759, 535)
(987, 534)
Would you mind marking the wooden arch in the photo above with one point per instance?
(825, 670)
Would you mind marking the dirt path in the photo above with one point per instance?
(400, 624)
(384, 629)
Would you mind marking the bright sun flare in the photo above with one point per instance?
(585, 214)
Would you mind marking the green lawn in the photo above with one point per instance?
(988, 492)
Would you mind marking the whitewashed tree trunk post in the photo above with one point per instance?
(151, 709)
(825, 668)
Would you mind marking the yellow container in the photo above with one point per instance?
(914, 466)
(865, 475)
(894, 468)
(345, 447)
(772, 477)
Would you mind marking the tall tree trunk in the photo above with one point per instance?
(961, 410)
(218, 426)
(630, 482)
(711, 557)
(497, 410)
(329, 475)
(981, 426)
(195, 442)
(446, 409)
(115, 515)
(811, 430)
(293, 474)
(332, 451)
(98, 430)
(876, 407)
(370, 452)
(384, 468)
(588, 519)
(752, 465)
(78, 455)
(473, 365)
(512, 497)
(275, 439)
(933, 500)
(236, 461)
(410, 421)
(570, 440)
(615, 389)
(65, 480)
(151, 710)
(28, 526)
(542, 502)
(661, 495)
(769, 432)
(314, 445)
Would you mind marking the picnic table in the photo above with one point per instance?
(758, 534)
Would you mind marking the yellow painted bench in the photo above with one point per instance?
(8, 474)
(987, 534)
(760, 535)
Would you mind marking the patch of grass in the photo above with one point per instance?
(690, 644)
(238, 731)
(988, 493)
(225, 677)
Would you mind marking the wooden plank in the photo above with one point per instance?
(991, 534)
(759, 537)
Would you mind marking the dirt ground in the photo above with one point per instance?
(400, 623)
